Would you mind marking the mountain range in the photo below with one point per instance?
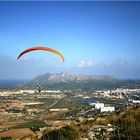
(68, 80)
(70, 77)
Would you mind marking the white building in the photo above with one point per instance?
(26, 91)
(136, 101)
(107, 109)
(51, 91)
(86, 97)
(99, 105)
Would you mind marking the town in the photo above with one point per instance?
(25, 110)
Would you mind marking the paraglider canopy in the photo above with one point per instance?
(41, 48)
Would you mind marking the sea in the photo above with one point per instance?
(11, 83)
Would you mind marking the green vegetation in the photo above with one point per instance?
(6, 138)
(128, 124)
(34, 125)
(64, 133)
(29, 137)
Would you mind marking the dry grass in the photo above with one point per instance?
(17, 133)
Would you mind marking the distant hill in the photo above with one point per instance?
(68, 80)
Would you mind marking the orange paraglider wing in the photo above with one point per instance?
(41, 48)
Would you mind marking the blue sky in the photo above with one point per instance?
(95, 38)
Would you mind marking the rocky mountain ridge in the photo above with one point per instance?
(71, 77)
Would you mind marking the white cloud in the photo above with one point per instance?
(86, 63)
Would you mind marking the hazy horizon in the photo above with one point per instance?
(96, 38)
(28, 79)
